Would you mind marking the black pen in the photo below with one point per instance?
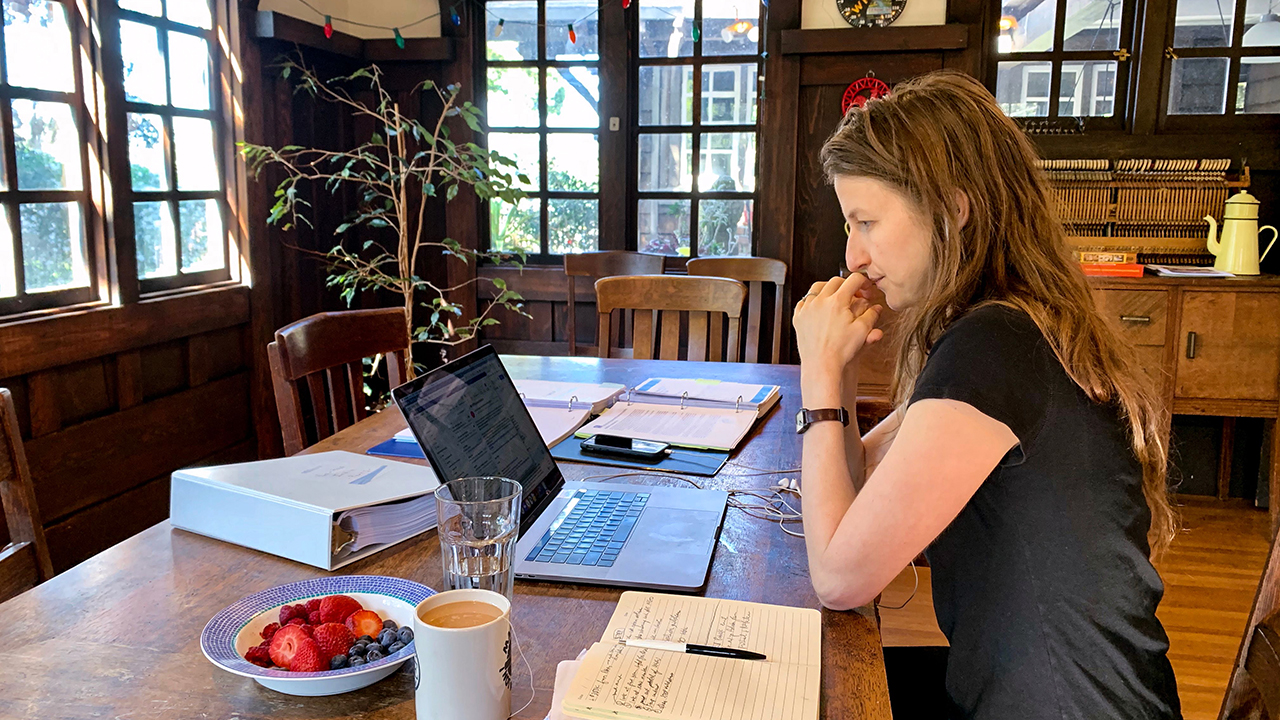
(694, 649)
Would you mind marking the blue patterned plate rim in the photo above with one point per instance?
(218, 640)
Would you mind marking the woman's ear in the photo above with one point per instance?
(962, 207)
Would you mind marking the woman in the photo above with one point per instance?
(1025, 457)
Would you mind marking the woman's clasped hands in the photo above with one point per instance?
(834, 322)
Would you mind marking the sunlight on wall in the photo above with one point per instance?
(383, 12)
(816, 14)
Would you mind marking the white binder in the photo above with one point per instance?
(324, 509)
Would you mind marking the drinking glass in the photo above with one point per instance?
(479, 522)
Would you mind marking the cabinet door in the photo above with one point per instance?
(1229, 345)
(1140, 316)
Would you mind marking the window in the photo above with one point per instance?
(175, 177)
(1060, 58)
(46, 258)
(1224, 58)
(542, 107)
(696, 126)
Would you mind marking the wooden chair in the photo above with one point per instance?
(1254, 691)
(755, 272)
(326, 350)
(701, 297)
(24, 562)
(596, 265)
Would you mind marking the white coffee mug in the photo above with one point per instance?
(463, 673)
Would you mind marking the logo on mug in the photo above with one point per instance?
(506, 668)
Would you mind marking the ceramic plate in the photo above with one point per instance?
(231, 633)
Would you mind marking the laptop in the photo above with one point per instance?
(470, 421)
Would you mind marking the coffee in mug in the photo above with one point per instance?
(463, 643)
(461, 614)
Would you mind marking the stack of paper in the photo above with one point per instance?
(386, 524)
(617, 681)
(707, 393)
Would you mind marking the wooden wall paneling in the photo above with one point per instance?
(462, 215)
(842, 41)
(128, 379)
(615, 149)
(85, 463)
(44, 408)
(85, 390)
(164, 369)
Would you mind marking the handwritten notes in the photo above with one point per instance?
(616, 681)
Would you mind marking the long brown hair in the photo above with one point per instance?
(942, 133)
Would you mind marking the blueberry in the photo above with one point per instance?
(396, 646)
(364, 639)
(357, 651)
(405, 635)
(357, 661)
(389, 625)
(375, 653)
(386, 637)
(337, 662)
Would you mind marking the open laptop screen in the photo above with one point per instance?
(470, 422)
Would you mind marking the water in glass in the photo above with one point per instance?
(479, 525)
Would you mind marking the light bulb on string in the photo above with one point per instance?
(573, 36)
(497, 31)
(697, 32)
(455, 17)
(626, 4)
(328, 26)
(399, 38)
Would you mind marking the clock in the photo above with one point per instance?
(870, 13)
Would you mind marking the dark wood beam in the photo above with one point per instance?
(953, 36)
(277, 26)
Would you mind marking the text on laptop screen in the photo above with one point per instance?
(472, 423)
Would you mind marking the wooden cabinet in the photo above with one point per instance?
(1142, 318)
(1229, 346)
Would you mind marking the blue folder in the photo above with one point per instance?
(705, 463)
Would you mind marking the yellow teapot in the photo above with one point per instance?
(1237, 251)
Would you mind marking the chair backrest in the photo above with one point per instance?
(755, 272)
(596, 265)
(665, 297)
(326, 351)
(24, 562)
(1254, 691)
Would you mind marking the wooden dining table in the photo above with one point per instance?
(118, 636)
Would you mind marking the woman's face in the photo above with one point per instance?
(888, 239)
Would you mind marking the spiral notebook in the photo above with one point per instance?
(616, 681)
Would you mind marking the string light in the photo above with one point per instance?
(399, 38)
(697, 32)
(328, 27)
(626, 4)
(573, 36)
(455, 17)
(497, 32)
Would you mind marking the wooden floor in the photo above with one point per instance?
(1210, 575)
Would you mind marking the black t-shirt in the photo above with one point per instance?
(1042, 583)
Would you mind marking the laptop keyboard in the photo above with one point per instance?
(591, 530)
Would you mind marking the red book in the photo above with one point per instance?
(1112, 269)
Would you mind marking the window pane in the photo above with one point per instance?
(53, 252)
(153, 234)
(38, 45)
(573, 163)
(666, 28)
(8, 269)
(729, 94)
(1203, 23)
(194, 153)
(147, 169)
(48, 146)
(1088, 89)
(1027, 26)
(143, 63)
(573, 97)
(149, 7)
(573, 226)
(200, 225)
(515, 227)
(519, 38)
(1261, 24)
(1022, 88)
(523, 149)
(1259, 90)
(663, 227)
(666, 95)
(190, 12)
(189, 71)
(1092, 25)
(724, 227)
(513, 97)
(665, 162)
(582, 13)
(728, 162)
(729, 27)
(1198, 86)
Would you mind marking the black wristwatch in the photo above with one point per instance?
(805, 418)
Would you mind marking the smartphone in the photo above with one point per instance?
(624, 447)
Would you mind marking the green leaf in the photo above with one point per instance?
(451, 193)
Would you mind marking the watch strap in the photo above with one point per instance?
(810, 417)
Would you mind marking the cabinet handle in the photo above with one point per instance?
(1142, 319)
(1191, 346)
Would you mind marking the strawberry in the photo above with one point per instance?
(298, 621)
(306, 658)
(333, 639)
(337, 608)
(313, 605)
(287, 613)
(309, 630)
(259, 656)
(365, 622)
(314, 618)
(285, 644)
(270, 630)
